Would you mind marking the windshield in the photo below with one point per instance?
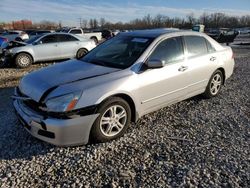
(33, 39)
(119, 52)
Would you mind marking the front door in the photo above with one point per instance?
(166, 85)
(46, 48)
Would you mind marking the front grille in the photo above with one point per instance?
(46, 133)
(33, 105)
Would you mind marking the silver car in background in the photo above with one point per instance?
(15, 35)
(52, 46)
(96, 97)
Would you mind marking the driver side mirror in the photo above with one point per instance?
(155, 63)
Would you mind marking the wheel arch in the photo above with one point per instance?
(130, 101)
(94, 38)
(223, 74)
(82, 48)
(24, 52)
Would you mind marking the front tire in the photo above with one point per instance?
(114, 118)
(214, 85)
(3, 62)
(23, 60)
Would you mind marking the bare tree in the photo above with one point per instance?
(102, 22)
(84, 23)
(191, 19)
(204, 18)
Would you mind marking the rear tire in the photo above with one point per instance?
(23, 60)
(81, 52)
(114, 119)
(214, 85)
(94, 39)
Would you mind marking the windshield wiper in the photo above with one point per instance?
(97, 62)
(102, 63)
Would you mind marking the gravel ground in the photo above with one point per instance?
(196, 143)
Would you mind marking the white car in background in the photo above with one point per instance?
(47, 47)
(95, 36)
(15, 35)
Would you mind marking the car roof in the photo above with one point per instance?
(152, 33)
(62, 33)
(57, 33)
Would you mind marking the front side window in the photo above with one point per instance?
(170, 50)
(196, 45)
(118, 52)
(33, 39)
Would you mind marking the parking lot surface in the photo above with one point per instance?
(197, 142)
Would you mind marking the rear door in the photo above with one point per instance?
(68, 45)
(201, 63)
(47, 48)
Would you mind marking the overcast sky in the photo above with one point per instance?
(69, 11)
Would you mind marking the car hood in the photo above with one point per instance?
(14, 44)
(39, 83)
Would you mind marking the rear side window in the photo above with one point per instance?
(210, 48)
(76, 31)
(196, 45)
(66, 38)
(49, 39)
(169, 50)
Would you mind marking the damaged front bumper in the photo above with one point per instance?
(61, 132)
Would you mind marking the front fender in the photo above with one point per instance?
(16, 51)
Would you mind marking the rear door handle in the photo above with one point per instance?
(183, 68)
(212, 58)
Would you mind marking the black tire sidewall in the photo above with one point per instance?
(94, 39)
(96, 135)
(2, 64)
(19, 65)
(207, 92)
(79, 51)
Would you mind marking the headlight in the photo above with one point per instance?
(63, 103)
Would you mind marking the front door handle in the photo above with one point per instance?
(212, 58)
(183, 68)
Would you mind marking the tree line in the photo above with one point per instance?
(213, 20)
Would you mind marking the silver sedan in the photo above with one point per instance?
(95, 98)
(53, 46)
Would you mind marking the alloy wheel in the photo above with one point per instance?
(113, 120)
(216, 84)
